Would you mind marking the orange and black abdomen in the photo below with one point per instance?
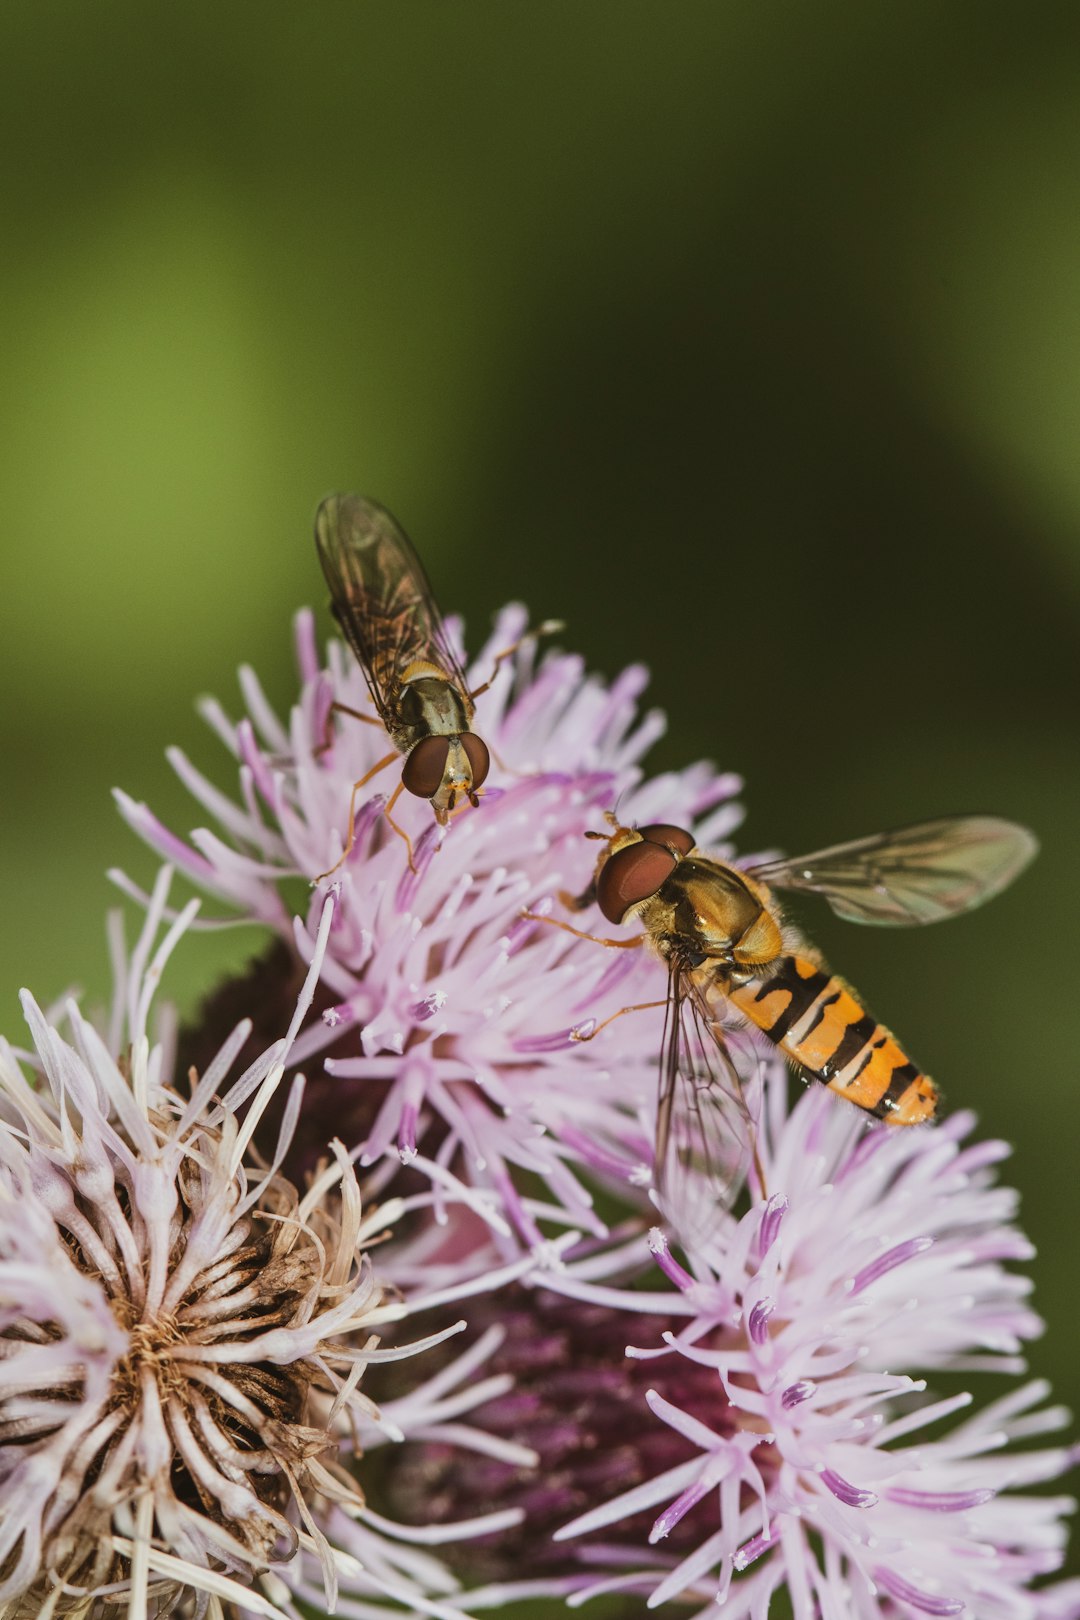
(817, 1022)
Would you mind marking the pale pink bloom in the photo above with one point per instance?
(467, 1009)
(879, 1256)
(786, 1351)
(183, 1333)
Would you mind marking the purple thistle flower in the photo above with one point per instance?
(878, 1256)
(463, 1018)
(769, 1430)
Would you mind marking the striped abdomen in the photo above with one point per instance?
(816, 1021)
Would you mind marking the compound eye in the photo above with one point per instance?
(631, 875)
(660, 833)
(476, 752)
(425, 767)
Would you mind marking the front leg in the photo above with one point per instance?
(350, 836)
(341, 708)
(632, 944)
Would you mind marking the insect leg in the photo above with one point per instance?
(350, 836)
(390, 803)
(639, 1006)
(341, 708)
(614, 944)
(550, 627)
(578, 902)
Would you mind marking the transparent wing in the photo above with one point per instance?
(918, 874)
(380, 596)
(706, 1114)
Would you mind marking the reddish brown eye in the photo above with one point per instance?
(630, 875)
(426, 766)
(476, 753)
(660, 833)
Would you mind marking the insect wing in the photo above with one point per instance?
(380, 596)
(705, 1124)
(918, 874)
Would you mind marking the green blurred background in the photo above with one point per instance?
(744, 337)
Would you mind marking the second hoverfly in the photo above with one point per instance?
(380, 596)
(731, 955)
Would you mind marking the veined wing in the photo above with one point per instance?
(380, 596)
(705, 1126)
(918, 874)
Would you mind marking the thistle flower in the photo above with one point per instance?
(761, 1422)
(459, 1016)
(182, 1332)
(771, 1429)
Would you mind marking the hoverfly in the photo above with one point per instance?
(729, 951)
(380, 596)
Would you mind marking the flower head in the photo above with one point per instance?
(772, 1428)
(462, 1018)
(758, 1434)
(182, 1331)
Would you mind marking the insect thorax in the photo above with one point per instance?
(430, 705)
(707, 911)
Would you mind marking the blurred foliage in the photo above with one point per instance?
(743, 337)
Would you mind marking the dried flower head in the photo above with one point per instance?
(182, 1332)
